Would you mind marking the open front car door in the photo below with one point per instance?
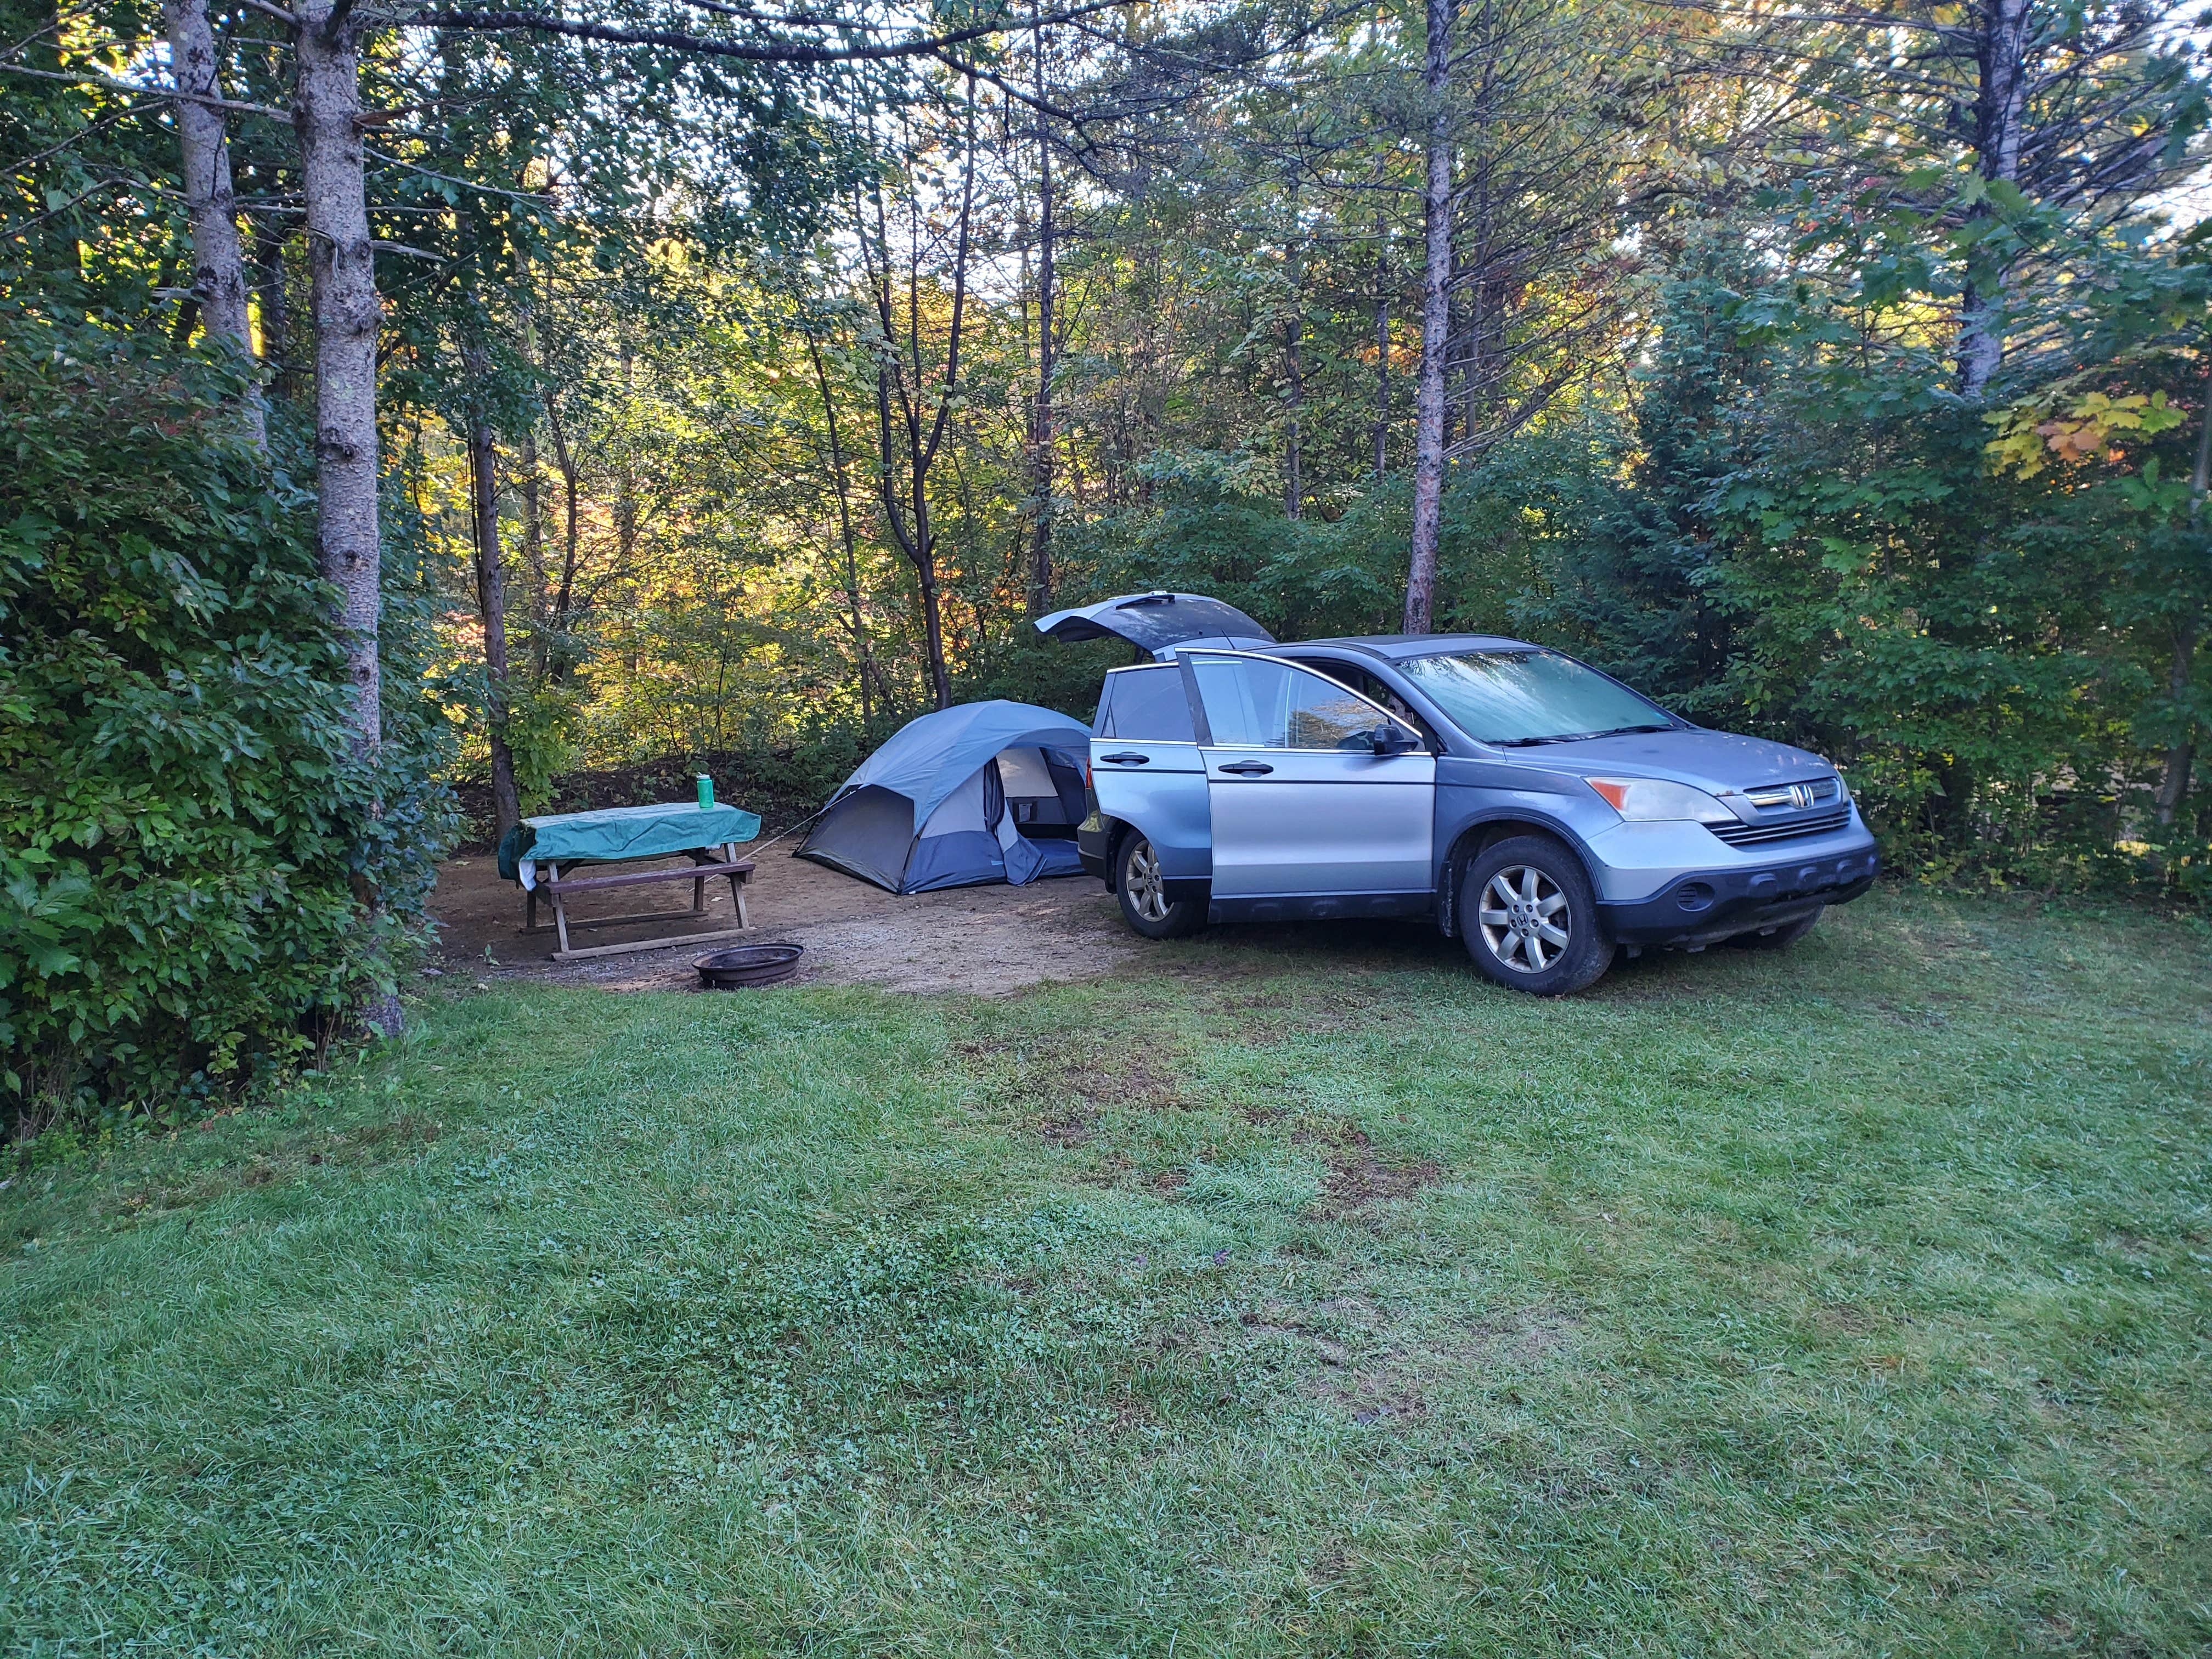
(1322, 802)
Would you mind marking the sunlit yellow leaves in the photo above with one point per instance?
(2040, 432)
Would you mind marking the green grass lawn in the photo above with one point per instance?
(1303, 1295)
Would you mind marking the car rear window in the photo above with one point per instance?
(1148, 705)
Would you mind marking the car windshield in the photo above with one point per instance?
(1517, 698)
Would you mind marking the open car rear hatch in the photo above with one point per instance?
(1159, 622)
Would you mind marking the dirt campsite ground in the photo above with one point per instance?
(986, 941)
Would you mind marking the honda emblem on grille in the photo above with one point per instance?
(1801, 795)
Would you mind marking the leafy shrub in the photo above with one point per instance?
(188, 848)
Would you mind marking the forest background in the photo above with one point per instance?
(410, 414)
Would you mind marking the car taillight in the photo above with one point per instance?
(1086, 773)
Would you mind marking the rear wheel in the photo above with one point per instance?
(1777, 938)
(1145, 903)
(1530, 917)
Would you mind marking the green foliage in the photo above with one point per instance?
(187, 844)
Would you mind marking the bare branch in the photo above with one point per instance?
(168, 92)
(772, 51)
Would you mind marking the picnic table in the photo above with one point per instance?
(544, 854)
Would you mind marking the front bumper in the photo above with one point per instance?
(1707, 906)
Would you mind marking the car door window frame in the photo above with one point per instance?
(1186, 659)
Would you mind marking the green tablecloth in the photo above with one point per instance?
(622, 832)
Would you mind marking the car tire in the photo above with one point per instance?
(1142, 889)
(1778, 939)
(1525, 944)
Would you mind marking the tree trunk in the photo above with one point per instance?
(2180, 756)
(275, 311)
(1382, 367)
(921, 429)
(1040, 438)
(533, 491)
(1999, 110)
(626, 476)
(491, 589)
(1294, 388)
(560, 650)
(864, 664)
(218, 263)
(341, 270)
(1435, 326)
(341, 264)
(925, 569)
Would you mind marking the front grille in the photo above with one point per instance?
(1819, 823)
(1781, 797)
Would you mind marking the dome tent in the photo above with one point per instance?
(985, 791)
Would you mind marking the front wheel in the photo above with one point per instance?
(1530, 917)
(1145, 904)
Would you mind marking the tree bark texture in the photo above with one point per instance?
(210, 205)
(1435, 326)
(341, 264)
(1999, 112)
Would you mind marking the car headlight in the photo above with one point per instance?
(1646, 799)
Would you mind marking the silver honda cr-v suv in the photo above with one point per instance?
(1540, 810)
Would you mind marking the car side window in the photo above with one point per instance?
(1375, 692)
(1256, 704)
(1148, 705)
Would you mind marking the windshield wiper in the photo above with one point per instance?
(1576, 737)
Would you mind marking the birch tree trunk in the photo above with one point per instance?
(341, 264)
(1999, 111)
(1435, 326)
(211, 206)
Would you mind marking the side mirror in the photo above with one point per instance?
(1391, 739)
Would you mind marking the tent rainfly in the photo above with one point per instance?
(986, 791)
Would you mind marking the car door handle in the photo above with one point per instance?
(1127, 759)
(1246, 768)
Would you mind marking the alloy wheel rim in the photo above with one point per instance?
(1148, 894)
(1525, 919)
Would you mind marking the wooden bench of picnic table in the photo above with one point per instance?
(703, 869)
(552, 855)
